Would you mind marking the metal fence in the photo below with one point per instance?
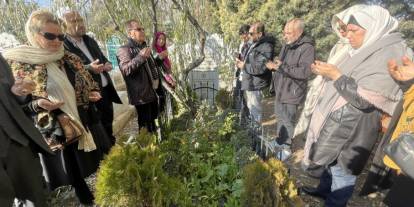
(205, 91)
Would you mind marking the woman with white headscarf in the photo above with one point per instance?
(337, 53)
(63, 88)
(345, 124)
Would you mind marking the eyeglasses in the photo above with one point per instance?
(341, 27)
(51, 36)
(139, 29)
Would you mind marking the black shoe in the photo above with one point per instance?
(306, 190)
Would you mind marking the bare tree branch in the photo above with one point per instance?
(117, 27)
(202, 34)
(154, 16)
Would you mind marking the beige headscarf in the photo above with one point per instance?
(58, 86)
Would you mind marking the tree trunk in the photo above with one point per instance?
(154, 17)
(202, 34)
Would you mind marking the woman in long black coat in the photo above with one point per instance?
(63, 87)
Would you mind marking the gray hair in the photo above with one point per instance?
(129, 24)
(299, 23)
(66, 14)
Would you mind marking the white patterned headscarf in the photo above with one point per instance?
(343, 16)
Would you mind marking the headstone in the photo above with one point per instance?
(204, 80)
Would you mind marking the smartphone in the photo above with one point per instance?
(237, 55)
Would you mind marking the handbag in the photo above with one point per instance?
(58, 130)
(71, 130)
(50, 129)
(401, 151)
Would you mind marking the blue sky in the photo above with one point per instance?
(43, 3)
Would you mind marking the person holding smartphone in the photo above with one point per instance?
(240, 101)
(141, 75)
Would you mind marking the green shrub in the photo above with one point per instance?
(197, 164)
(132, 175)
(224, 99)
(268, 184)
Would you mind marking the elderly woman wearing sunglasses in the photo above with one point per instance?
(63, 89)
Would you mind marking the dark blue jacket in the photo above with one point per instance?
(256, 76)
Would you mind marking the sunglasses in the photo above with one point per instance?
(51, 36)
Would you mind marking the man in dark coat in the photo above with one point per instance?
(77, 42)
(290, 78)
(255, 75)
(239, 99)
(141, 75)
(20, 169)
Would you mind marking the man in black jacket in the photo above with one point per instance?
(20, 169)
(255, 75)
(141, 75)
(77, 42)
(290, 78)
(239, 99)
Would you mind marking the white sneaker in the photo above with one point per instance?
(283, 154)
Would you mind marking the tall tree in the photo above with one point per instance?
(403, 10)
(14, 15)
(202, 35)
(274, 14)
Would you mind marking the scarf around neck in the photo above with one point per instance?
(151, 68)
(58, 86)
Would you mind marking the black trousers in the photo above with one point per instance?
(147, 113)
(21, 177)
(286, 115)
(82, 190)
(401, 192)
(106, 109)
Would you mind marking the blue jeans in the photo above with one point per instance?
(254, 103)
(337, 186)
